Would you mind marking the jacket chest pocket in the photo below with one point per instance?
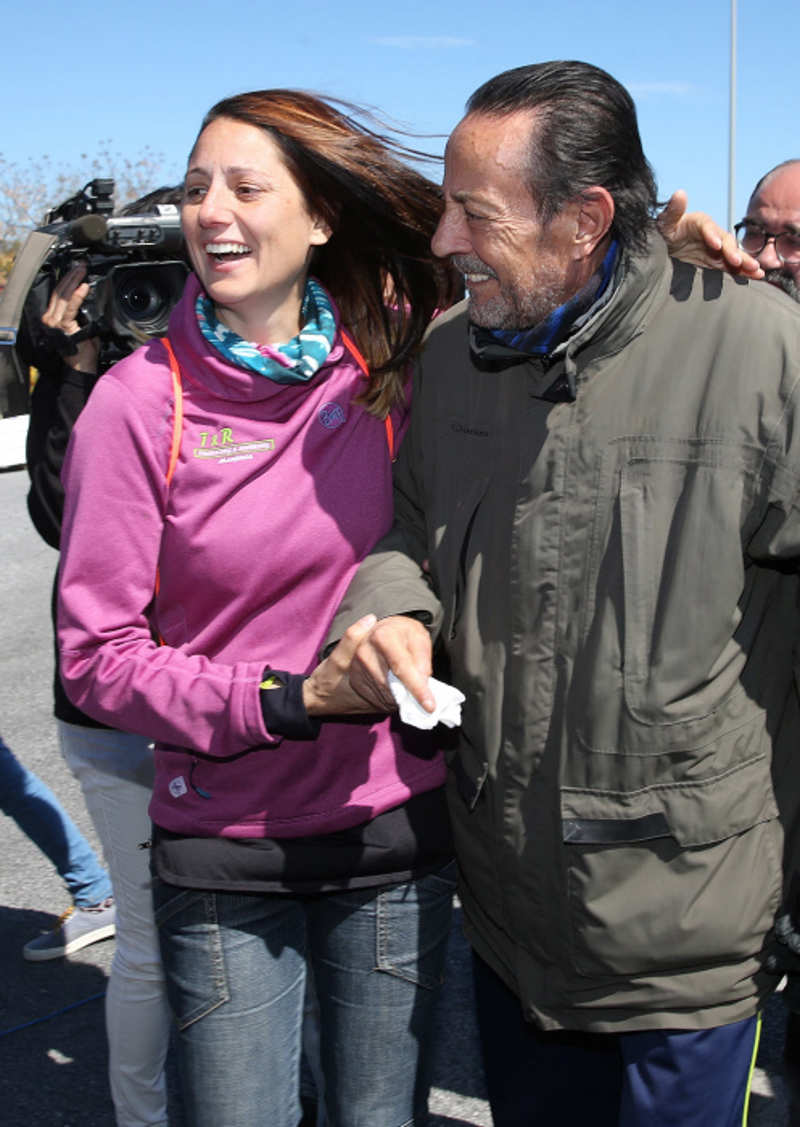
(682, 579)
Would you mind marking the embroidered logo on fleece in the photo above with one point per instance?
(332, 415)
(222, 446)
(177, 786)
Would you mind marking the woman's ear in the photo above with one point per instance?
(321, 232)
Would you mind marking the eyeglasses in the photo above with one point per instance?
(752, 238)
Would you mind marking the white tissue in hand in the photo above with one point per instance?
(448, 704)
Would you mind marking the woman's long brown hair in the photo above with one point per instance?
(378, 265)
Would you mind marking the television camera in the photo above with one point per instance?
(134, 270)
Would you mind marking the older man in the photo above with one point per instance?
(770, 230)
(597, 516)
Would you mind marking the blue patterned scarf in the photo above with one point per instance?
(545, 337)
(294, 362)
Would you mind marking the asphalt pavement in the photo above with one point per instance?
(52, 1042)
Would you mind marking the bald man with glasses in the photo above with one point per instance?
(770, 231)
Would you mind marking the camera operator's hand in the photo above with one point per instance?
(61, 316)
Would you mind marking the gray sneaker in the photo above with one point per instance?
(76, 928)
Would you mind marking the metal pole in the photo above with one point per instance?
(732, 124)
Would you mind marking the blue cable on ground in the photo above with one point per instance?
(55, 1013)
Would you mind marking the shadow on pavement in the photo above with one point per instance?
(52, 1035)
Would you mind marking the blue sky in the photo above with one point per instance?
(143, 74)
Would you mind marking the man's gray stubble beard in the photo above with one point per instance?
(784, 281)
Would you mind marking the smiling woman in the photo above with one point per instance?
(248, 230)
(379, 216)
(287, 843)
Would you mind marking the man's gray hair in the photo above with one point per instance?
(585, 134)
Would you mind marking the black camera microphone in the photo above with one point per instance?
(87, 230)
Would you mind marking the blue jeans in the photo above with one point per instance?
(236, 970)
(38, 813)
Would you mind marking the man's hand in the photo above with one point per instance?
(403, 645)
(61, 315)
(696, 238)
(327, 691)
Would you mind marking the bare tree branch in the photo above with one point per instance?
(28, 190)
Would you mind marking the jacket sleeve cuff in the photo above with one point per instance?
(282, 706)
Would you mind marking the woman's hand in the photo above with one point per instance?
(327, 691)
(695, 237)
(61, 315)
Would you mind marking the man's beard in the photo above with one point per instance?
(785, 281)
(518, 308)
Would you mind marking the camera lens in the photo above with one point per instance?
(141, 298)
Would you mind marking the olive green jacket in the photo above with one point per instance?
(614, 587)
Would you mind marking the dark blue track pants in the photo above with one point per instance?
(658, 1078)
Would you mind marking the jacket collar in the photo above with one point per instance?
(640, 283)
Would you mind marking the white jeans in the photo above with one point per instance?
(115, 771)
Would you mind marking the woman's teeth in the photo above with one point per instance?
(222, 251)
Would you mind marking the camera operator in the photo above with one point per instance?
(115, 769)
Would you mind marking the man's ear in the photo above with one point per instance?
(594, 218)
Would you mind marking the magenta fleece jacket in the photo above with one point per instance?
(278, 493)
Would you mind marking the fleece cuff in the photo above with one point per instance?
(282, 706)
